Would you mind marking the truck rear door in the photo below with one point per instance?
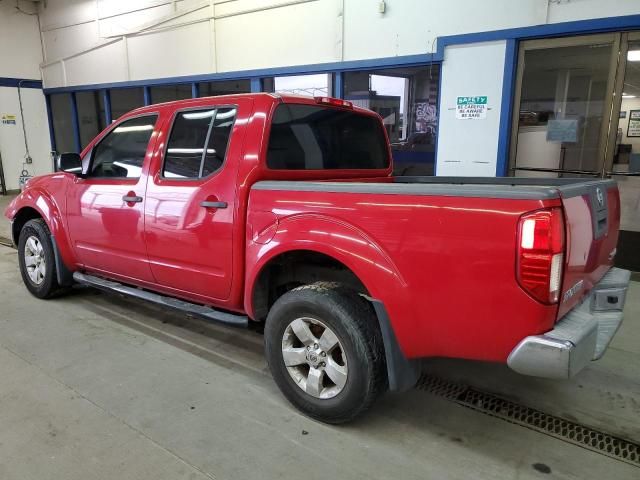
(592, 219)
(191, 198)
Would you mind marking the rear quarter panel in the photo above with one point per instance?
(443, 266)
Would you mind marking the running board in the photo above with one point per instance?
(200, 310)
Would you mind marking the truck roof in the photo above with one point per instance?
(273, 97)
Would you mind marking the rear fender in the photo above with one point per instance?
(359, 253)
(332, 237)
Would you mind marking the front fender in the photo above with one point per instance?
(335, 238)
(43, 201)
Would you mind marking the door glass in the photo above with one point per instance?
(562, 109)
(186, 156)
(121, 153)
(626, 160)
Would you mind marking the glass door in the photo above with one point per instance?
(563, 101)
(623, 159)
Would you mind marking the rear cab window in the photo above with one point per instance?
(310, 137)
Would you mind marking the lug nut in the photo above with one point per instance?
(315, 345)
(323, 354)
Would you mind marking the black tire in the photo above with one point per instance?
(353, 321)
(49, 285)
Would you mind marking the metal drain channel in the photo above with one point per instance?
(512, 412)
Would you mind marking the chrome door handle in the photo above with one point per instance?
(131, 199)
(209, 204)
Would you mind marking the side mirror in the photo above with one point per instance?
(69, 162)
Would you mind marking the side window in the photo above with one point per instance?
(198, 142)
(120, 154)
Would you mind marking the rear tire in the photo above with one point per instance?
(37, 259)
(335, 366)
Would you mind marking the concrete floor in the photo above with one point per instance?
(95, 386)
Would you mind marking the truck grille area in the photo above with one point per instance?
(560, 428)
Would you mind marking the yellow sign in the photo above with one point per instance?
(8, 119)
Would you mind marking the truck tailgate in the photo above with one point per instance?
(592, 218)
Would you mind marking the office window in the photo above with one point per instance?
(124, 100)
(91, 116)
(186, 155)
(169, 93)
(225, 87)
(121, 153)
(62, 123)
(406, 99)
(311, 85)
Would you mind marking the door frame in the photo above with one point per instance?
(621, 70)
(605, 129)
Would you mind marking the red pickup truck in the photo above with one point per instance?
(282, 210)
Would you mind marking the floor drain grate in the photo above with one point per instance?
(557, 427)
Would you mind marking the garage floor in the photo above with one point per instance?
(95, 386)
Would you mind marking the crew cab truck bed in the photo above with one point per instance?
(283, 210)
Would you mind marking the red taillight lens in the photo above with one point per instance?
(336, 102)
(541, 254)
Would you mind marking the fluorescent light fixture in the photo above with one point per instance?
(626, 96)
(633, 55)
(199, 115)
(133, 128)
(189, 150)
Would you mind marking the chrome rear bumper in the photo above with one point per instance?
(581, 336)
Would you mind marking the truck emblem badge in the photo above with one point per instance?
(572, 291)
(599, 196)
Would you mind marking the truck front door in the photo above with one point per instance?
(105, 207)
(191, 201)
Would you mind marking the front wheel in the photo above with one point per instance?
(325, 351)
(37, 260)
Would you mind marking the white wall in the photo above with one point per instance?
(12, 139)
(470, 147)
(20, 57)
(84, 40)
(20, 51)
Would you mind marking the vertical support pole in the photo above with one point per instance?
(52, 134)
(106, 99)
(75, 122)
(195, 90)
(506, 107)
(338, 85)
(256, 85)
(147, 95)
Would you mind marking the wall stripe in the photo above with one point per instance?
(506, 107)
(76, 123)
(14, 82)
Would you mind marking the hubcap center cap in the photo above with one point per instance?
(315, 358)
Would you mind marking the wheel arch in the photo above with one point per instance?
(35, 203)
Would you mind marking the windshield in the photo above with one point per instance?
(309, 137)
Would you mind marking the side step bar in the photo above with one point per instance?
(206, 312)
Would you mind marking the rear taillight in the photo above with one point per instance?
(541, 254)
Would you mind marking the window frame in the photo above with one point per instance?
(174, 117)
(86, 175)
